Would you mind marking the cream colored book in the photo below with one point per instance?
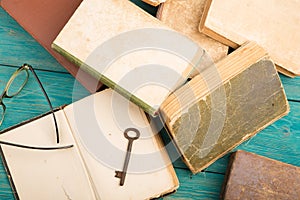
(128, 50)
(273, 24)
(95, 151)
(184, 17)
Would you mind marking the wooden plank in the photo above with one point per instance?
(184, 17)
(18, 47)
(201, 186)
(274, 24)
(291, 87)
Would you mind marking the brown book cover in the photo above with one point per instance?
(44, 20)
(250, 176)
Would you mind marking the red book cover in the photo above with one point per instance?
(44, 19)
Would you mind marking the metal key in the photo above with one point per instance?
(122, 174)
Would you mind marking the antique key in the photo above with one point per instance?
(122, 174)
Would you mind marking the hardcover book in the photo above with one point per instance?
(251, 176)
(224, 106)
(91, 163)
(184, 17)
(128, 50)
(273, 24)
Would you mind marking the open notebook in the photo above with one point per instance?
(87, 170)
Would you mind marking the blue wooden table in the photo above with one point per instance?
(280, 141)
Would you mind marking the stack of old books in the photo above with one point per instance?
(175, 67)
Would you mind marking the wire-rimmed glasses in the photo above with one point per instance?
(13, 87)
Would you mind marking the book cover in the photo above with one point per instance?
(273, 27)
(184, 17)
(224, 106)
(128, 50)
(251, 176)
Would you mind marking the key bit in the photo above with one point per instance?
(122, 174)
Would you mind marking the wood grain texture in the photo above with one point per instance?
(18, 47)
(291, 87)
(273, 24)
(200, 186)
(184, 17)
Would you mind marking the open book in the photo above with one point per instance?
(95, 128)
(128, 50)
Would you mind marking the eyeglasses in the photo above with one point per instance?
(13, 87)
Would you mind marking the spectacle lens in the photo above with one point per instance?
(17, 82)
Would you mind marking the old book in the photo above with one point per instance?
(154, 2)
(224, 106)
(128, 50)
(184, 17)
(251, 176)
(93, 133)
(273, 24)
(44, 20)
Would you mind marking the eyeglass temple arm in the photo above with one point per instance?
(49, 102)
(35, 147)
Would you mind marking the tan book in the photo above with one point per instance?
(129, 50)
(224, 106)
(251, 176)
(184, 17)
(273, 24)
(93, 153)
(154, 2)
